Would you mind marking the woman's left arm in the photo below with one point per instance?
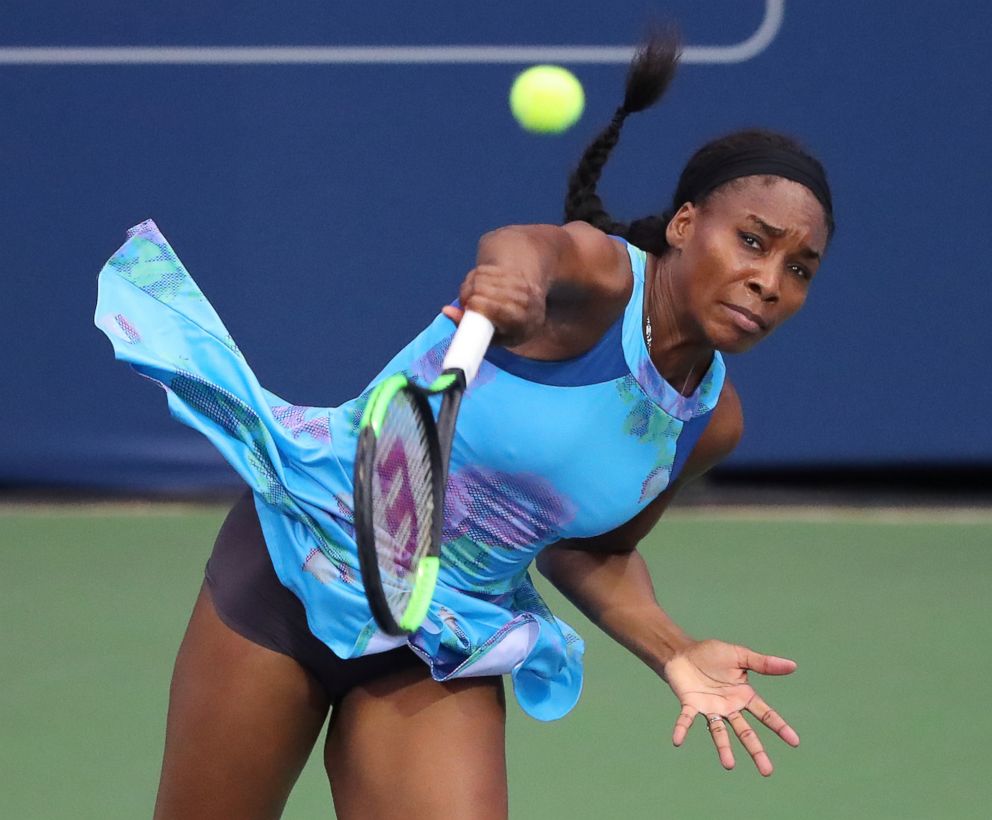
(615, 592)
(609, 582)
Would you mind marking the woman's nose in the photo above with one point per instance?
(763, 282)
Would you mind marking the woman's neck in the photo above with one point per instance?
(678, 349)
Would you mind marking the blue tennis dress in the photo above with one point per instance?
(543, 451)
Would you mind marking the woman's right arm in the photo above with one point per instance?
(526, 276)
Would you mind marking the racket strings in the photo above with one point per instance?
(403, 498)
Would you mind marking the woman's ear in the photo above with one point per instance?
(681, 226)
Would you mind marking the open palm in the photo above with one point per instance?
(710, 678)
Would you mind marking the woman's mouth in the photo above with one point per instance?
(745, 319)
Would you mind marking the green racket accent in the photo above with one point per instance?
(377, 420)
(383, 393)
(421, 594)
(442, 382)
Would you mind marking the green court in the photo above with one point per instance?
(887, 613)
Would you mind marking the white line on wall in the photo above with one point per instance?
(383, 55)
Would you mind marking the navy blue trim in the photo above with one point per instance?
(602, 363)
(691, 431)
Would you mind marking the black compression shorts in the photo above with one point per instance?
(250, 599)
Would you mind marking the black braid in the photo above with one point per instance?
(582, 202)
(650, 73)
(648, 233)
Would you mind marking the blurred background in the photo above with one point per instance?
(324, 171)
(328, 208)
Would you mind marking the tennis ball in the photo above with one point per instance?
(547, 99)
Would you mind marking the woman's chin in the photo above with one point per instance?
(729, 341)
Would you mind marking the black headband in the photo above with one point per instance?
(769, 161)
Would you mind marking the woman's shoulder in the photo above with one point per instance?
(602, 262)
(588, 288)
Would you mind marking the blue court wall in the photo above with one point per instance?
(328, 201)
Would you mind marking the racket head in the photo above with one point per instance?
(399, 504)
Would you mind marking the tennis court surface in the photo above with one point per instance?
(887, 613)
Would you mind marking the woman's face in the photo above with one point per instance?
(746, 257)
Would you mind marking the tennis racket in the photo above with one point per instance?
(401, 469)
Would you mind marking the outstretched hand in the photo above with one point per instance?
(710, 679)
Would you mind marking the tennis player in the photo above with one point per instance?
(604, 393)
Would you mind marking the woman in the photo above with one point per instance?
(604, 394)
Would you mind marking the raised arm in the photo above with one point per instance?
(608, 580)
(549, 290)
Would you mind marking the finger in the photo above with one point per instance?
(494, 311)
(749, 740)
(516, 298)
(773, 720)
(721, 739)
(453, 313)
(767, 664)
(682, 724)
(493, 305)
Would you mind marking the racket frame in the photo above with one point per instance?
(425, 574)
(460, 366)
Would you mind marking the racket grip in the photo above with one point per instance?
(469, 344)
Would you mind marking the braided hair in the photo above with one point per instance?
(716, 164)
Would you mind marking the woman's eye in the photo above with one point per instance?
(800, 271)
(751, 240)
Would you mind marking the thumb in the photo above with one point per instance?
(767, 664)
(453, 313)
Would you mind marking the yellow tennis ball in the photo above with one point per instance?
(547, 99)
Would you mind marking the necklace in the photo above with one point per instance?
(649, 338)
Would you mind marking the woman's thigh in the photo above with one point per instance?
(242, 722)
(409, 747)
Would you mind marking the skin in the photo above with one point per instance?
(740, 265)
(243, 719)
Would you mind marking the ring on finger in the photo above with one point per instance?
(711, 719)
